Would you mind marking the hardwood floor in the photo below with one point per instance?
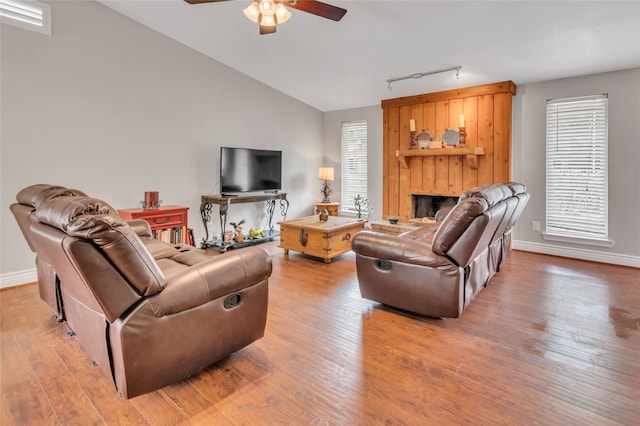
(550, 341)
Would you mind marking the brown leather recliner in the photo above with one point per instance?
(437, 270)
(48, 281)
(148, 322)
(27, 201)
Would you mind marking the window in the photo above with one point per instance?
(28, 14)
(577, 205)
(354, 164)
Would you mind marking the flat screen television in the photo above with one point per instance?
(245, 170)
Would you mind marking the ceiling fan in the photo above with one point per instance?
(269, 13)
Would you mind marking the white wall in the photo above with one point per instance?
(332, 142)
(623, 88)
(114, 108)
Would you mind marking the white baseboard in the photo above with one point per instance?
(578, 253)
(13, 279)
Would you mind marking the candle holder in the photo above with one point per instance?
(151, 200)
(463, 138)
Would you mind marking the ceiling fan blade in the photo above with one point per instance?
(317, 8)
(203, 1)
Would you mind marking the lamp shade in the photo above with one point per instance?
(325, 173)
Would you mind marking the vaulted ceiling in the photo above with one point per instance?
(340, 65)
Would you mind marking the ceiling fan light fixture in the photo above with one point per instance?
(267, 24)
(267, 7)
(252, 12)
(282, 13)
(267, 21)
(268, 13)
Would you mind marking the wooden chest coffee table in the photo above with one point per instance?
(325, 240)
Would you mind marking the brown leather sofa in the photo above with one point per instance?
(148, 320)
(438, 269)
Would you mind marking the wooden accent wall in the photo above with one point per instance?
(487, 111)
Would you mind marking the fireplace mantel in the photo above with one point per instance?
(471, 154)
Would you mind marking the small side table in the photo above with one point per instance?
(332, 208)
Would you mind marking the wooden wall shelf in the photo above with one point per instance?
(471, 154)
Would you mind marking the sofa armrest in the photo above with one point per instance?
(211, 279)
(397, 248)
(140, 227)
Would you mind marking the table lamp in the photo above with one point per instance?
(325, 174)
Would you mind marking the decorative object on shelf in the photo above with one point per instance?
(360, 203)
(151, 200)
(463, 133)
(237, 231)
(324, 215)
(450, 137)
(255, 233)
(422, 74)
(423, 139)
(228, 236)
(325, 174)
(435, 144)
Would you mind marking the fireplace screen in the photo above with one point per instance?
(429, 205)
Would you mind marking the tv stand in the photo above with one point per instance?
(206, 206)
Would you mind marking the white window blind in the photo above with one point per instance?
(28, 14)
(576, 176)
(353, 163)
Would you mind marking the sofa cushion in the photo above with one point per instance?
(60, 212)
(456, 222)
(517, 188)
(493, 194)
(35, 194)
(93, 219)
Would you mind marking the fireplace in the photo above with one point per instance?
(428, 205)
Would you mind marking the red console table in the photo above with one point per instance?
(168, 223)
